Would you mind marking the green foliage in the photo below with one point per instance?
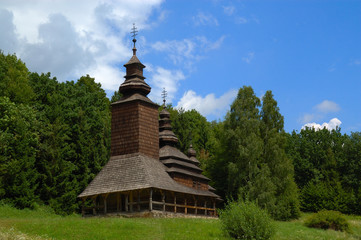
(322, 195)
(191, 128)
(14, 77)
(75, 138)
(19, 144)
(55, 137)
(116, 96)
(250, 161)
(245, 220)
(243, 144)
(281, 168)
(328, 219)
(316, 154)
(327, 169)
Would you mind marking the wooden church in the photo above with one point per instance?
(146, 173)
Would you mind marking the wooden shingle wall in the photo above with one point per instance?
(148, 130)
(134, 70)
(134, 129)
(189, 182)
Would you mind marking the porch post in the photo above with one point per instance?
(163, 201)
(205, 206)
(131, 201)
(118, 201)
(214, 208)
(150, 200)
(105, 203)
(82, 207)
(175, 203)
(126, 203)
(138, 201)
(94, 205)
(196, 208)
(185, 204)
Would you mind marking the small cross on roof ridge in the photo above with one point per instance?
(164, 96)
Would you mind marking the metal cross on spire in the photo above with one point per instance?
(164, 96)
(134, 31)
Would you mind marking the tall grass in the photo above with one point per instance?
(43, 224)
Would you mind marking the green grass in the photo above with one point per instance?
(43, 224)
(296, 230)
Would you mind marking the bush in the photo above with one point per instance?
(328, 219)
(245, 220)
(322, 195)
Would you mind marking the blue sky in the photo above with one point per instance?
(308, 53)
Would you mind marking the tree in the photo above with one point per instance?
(14, 77)
(19, 145)
(274, 155)
(116, 96)
(250, 162)
(318, 156)
(241, 146)
(74, 138)
(350, 168)
(244, 145)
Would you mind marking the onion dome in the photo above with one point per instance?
(192, 155)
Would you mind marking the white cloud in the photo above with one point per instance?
(248, 58)
(177, 50)
(109, 77)
(205, 19)
(187, 51)
(208, 105)
(208, 45)
(327, 106)
(74, 38)
(320, 111)
(163, 78)
(332, 124)
(58, 50)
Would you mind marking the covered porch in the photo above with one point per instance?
(148, 200)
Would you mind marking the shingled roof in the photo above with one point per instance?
(172, 152)
(136, 171)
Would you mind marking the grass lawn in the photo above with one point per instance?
(41, 224)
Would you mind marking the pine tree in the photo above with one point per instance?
(280, 166)
(248, 176)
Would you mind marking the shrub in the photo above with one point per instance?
(322, 195)
(328, 219)
(245, 220)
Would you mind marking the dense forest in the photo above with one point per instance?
(55, 137)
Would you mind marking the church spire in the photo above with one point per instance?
(134, 79)
(166, 135)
